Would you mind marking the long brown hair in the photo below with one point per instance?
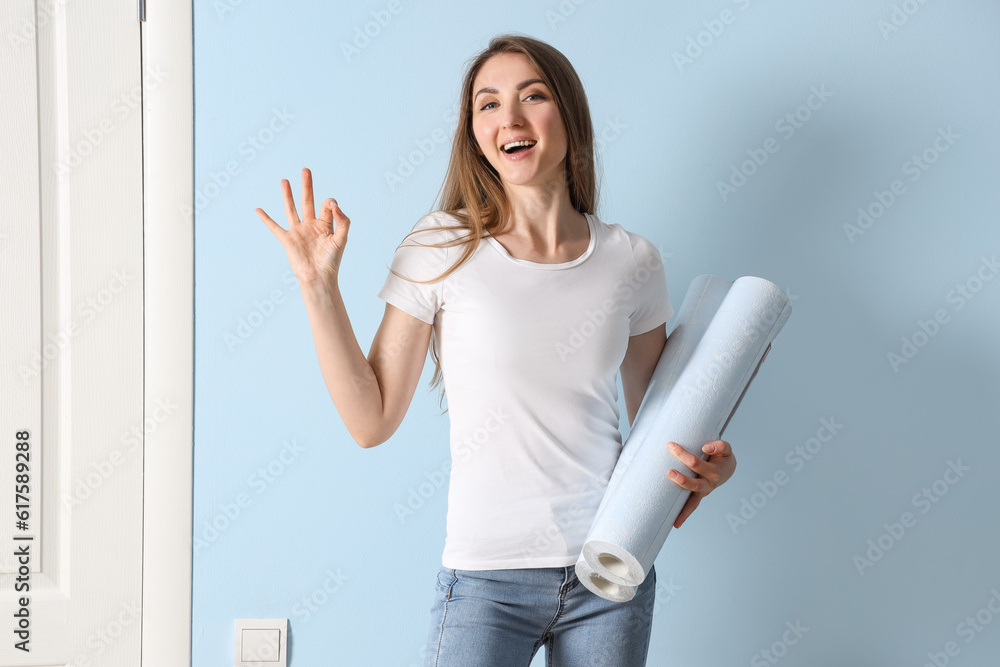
(472, 191)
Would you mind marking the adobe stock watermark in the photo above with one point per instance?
(609, 132)
(131, 441)
(309, 605)
(714, 28)
(259, 481)
(471, 443)
(580, 513)
(751, 332)
(451, 287)
(263, 310)
(899, 16)
(252, 146)
(968, 629)
(421, 658)
(224, 8)
(579, 335)
(370, 30)
(126, 621)
(390, 351)
(664, 592)
(779, 647)
(121, 107)
(787, 125)
(438, 138)
(924, 500)
(45, 11)
(929, 328)
(564, 10)
(87, 311)
(797, 458)
(915, 167)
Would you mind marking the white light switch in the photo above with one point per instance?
(261, 642)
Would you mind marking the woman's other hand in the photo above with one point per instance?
(714, 472)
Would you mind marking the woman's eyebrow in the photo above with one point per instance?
(526, 82)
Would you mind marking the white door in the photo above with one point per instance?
(71, 358)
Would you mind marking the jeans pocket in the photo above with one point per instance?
(446, 578)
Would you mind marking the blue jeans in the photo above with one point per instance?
(500, 618)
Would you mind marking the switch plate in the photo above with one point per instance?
(261, 642)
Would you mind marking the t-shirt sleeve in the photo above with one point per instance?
(653, 303)
(417, 262)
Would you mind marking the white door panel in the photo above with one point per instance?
(71, 292)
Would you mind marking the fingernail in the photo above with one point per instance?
(672, 445)
(709, 448)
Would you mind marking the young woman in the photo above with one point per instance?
(533, 325)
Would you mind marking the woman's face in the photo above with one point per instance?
(503, 111)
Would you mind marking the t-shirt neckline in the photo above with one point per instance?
(551, 267)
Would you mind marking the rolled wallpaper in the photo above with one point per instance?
(722, 333)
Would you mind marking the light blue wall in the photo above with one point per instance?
(278, 72)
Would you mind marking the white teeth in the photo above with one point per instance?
(524, 142)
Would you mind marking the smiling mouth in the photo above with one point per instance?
(520, 152)
(518, 149)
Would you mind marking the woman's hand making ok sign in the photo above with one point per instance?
(314, 249)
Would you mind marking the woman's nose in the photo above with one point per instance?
(512, 117)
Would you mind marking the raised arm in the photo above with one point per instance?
(371, 394)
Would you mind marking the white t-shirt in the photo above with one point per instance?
(530, 354)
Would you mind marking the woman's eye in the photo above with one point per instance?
(483, 108)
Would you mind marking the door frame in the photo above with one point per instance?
(168, 332)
